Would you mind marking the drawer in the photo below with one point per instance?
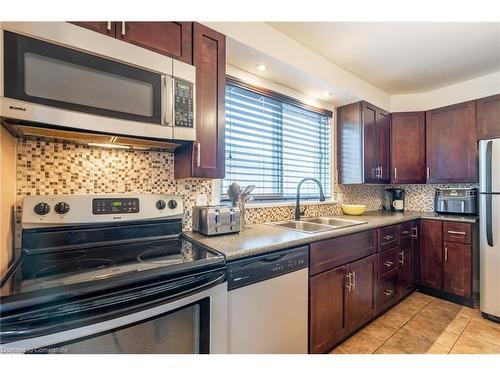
(328, 254)
(388, 237)
(457, 232)
(388, 262)
(387, 292)
(405, 230)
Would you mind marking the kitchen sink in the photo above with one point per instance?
(317, 224)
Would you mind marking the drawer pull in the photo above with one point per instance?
(415, 232)
(457, 232)
(388, 237)
(388, 292)
(388, 263)
(349, 282)
(353, 279)
(402, 261)
(446, 254)
(405, 232)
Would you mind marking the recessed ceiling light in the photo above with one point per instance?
(261, 67)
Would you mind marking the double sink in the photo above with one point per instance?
(317, 224)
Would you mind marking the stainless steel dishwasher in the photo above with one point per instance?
(268, 303)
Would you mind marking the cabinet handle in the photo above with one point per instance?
(388, 292)
(428, 173)
(395, 173)
(415, 232)
(446, 253)
(198, 154)
(456, 232)
(388, 263)
(123, 28)
(402, 261)
(405, 232)
(381, 172)
(349, 284)
(388, 237)
(353, 279)
(108, 25)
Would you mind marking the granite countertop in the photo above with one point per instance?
(264, 238)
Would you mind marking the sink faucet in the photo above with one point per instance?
(297, 202)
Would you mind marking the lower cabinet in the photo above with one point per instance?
(431, 257)
(341, 300)
(406, 278)
(457, 270)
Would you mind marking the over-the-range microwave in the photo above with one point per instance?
(63, 76)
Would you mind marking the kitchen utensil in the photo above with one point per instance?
(233, 192)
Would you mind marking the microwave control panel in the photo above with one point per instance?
(183, 96)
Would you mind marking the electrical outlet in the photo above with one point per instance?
(201, 200)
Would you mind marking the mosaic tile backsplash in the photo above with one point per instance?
(59, 167)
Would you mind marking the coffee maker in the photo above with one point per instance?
(394, 199)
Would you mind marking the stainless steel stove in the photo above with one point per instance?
(95, 271)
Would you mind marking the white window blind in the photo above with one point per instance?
(273, 143)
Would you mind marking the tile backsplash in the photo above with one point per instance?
(60, 167)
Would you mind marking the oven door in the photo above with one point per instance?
(56, 85)
(191, 324)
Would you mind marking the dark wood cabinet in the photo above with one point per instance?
(408, 148)
(108, 28)
(361, 295)
(363, 144)
(206, 157)
(488, 117)
(457, 269)
(406, 278)
(431, 254)
(173, 39)
(451, 144)
(328, 308)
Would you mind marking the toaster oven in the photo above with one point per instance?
(456, 201)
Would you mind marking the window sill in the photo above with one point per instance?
(289, 203)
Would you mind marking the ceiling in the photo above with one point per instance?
(404, 58)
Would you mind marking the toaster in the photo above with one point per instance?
(456, 201)
(212, 220)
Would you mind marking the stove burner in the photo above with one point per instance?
(76, 266)
(64, 255)
(159, 254)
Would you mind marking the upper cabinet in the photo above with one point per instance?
(488, 117)
(173, 39)
(408, 148)
(451, 144)
(363, 144)
(206, 157)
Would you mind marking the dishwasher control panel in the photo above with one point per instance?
(262, 267)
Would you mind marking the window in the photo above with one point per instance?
(273, 142)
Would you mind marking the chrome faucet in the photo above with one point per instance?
(297, 202)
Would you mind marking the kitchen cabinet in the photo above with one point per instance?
(206, 157)
(405, 268)
(451, 144)
(173, 39)
(488, 117)
(361, 294)
(363, 144)
(408, 148)
(457, 269)
(431, 257)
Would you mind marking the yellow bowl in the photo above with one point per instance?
(354, 209)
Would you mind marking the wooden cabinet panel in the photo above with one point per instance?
(431, 254)
(384, 145)
(488, 117)
(371, 144)
(388, 263)
(206, 158)
(408, 148)
(457, 269)
(173, 39)
(327, 254)
(328, 322)
(102, 27)
(388, 237)
(361, 297)
(405, 269)
(451, 144)
(387, 293)
(457, 232)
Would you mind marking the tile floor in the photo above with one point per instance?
(424, 324)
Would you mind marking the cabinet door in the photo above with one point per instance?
(384, 148)
(371, 144)
(405, 268)
(408, 148)
(328, 322)
(103, 27)
(173, 39)
(361, 297)
(431, 253)
(206, 158)
(415, 242)
(457, 269)
(451, 144)
(487, 117)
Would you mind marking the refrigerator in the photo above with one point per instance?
(489, 226)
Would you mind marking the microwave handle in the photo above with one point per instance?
(168, 100)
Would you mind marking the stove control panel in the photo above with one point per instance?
(53, 210)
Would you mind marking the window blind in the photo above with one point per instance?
(273, 144)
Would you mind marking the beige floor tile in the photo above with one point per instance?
(446, 305)
(382, 328)
(473, 345)
(361, 343)
(471, 313)
(338, 350)
(408, 341)
(484, 329)
(421, 297)
(440, 325)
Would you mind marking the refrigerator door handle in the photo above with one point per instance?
(489, 170)
(489, 213)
